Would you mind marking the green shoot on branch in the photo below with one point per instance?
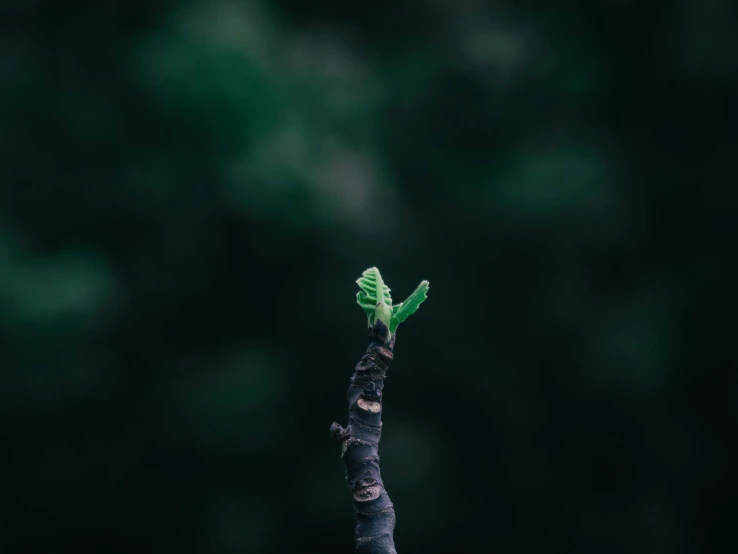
(376, 301)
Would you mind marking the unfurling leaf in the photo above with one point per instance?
(373, 292)
(405, 309)
(376, 301)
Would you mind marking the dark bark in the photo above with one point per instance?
(375, 515)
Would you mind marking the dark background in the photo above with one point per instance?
(188, 191)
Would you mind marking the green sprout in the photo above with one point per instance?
(376, 301)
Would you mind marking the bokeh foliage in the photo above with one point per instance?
(189, 191)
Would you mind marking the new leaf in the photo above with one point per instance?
(405, 309)
(373, 292)
(376, 301)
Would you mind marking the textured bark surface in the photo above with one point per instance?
(375, 515)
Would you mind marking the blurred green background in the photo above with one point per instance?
(188, 191)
